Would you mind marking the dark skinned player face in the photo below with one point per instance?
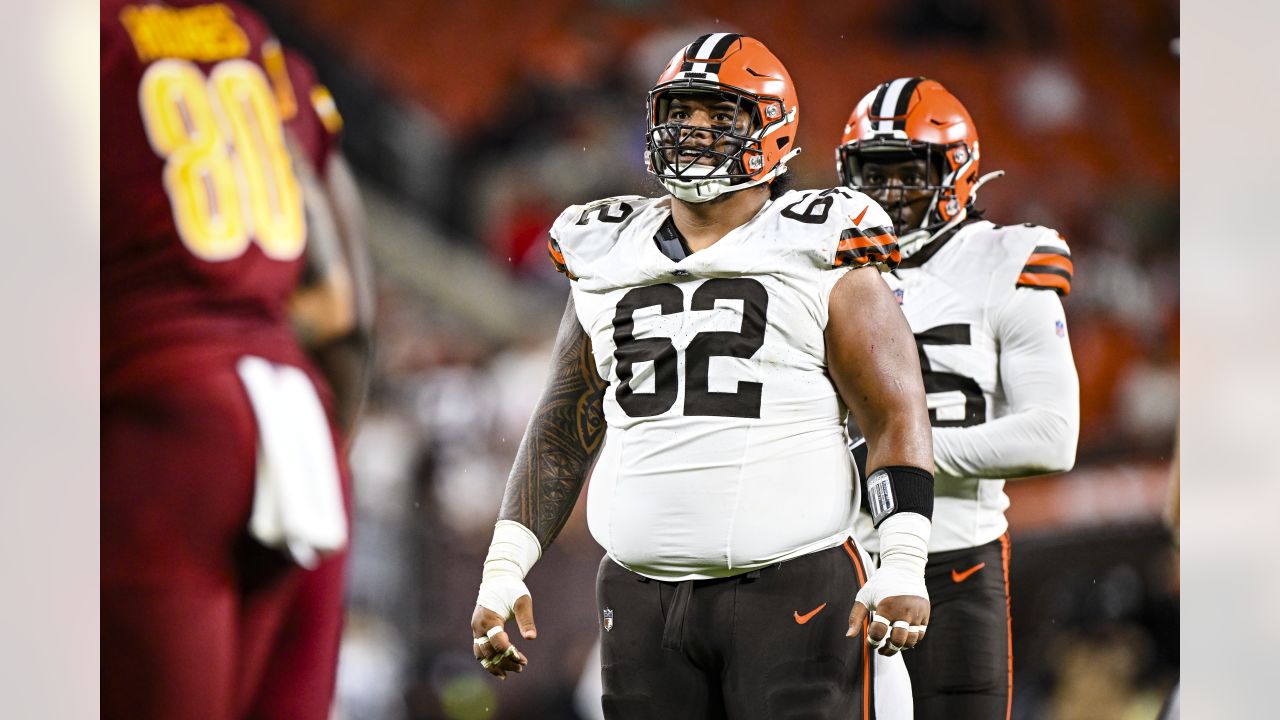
(889, 183)
(706, 110)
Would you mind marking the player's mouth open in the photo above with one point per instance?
(698, 156)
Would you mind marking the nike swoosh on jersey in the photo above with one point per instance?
(860, 215)
(802, 619)
(961, 576)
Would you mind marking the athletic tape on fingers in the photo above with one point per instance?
(878, 618)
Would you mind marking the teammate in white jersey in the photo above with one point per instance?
(983, 302)
(712, 343)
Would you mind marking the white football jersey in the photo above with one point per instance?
(998, 372)
(725, 449)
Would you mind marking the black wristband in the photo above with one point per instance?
(899, 488)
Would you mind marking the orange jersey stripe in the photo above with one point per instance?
(860, 258)
(1058, 261)
(1045, 280)
(852, 243)
(556, 255)
(1005, 553)
(861, 248)
(866, 649)
(557, 259)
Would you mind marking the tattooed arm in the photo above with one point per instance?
(559, 446)
(563, 438)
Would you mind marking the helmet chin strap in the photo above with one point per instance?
(697, 190)
(706, 189)
(913, 241)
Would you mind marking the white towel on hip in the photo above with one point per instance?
(297, 500)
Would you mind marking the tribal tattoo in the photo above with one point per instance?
(562, 440)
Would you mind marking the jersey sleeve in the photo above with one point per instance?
(867, 238)
(305, 105)
(557, 257)
(562, 227)
(1039, 380)
(1049, 265)
(584, 233)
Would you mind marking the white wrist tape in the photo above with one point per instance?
(904, 542)
(512, 553)
(904, 550)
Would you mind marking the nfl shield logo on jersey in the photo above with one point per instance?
(897, 294)
(608, 619)
(1060, 328)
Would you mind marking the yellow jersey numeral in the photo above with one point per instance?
(227, 171)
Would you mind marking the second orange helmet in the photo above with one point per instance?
(919, 116)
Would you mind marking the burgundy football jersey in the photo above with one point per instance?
(203, 224)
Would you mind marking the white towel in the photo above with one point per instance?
(297, 499)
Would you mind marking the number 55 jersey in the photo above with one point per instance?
(983, 303)
(725, 449)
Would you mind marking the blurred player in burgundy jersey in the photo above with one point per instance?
(234, 347)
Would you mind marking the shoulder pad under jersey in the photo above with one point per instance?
(859, 230)
(584, 233)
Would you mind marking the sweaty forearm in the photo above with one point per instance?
(873, 362)
(562, 440)
(898, 434)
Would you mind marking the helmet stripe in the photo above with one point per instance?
(701, 54)
(904, 102)
(874, 110)
(892, 101)
(722, 47)
(692, 50)
(884, 110)
(711, 47)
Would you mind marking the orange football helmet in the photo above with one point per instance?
(916, 117)
(741, 70)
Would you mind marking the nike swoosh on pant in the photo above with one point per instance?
(802, 619)
(961, 576)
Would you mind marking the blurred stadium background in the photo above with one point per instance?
(471, 125)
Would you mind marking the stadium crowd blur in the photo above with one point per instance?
(473, 124)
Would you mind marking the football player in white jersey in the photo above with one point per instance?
(983, 302)
(711, 345)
